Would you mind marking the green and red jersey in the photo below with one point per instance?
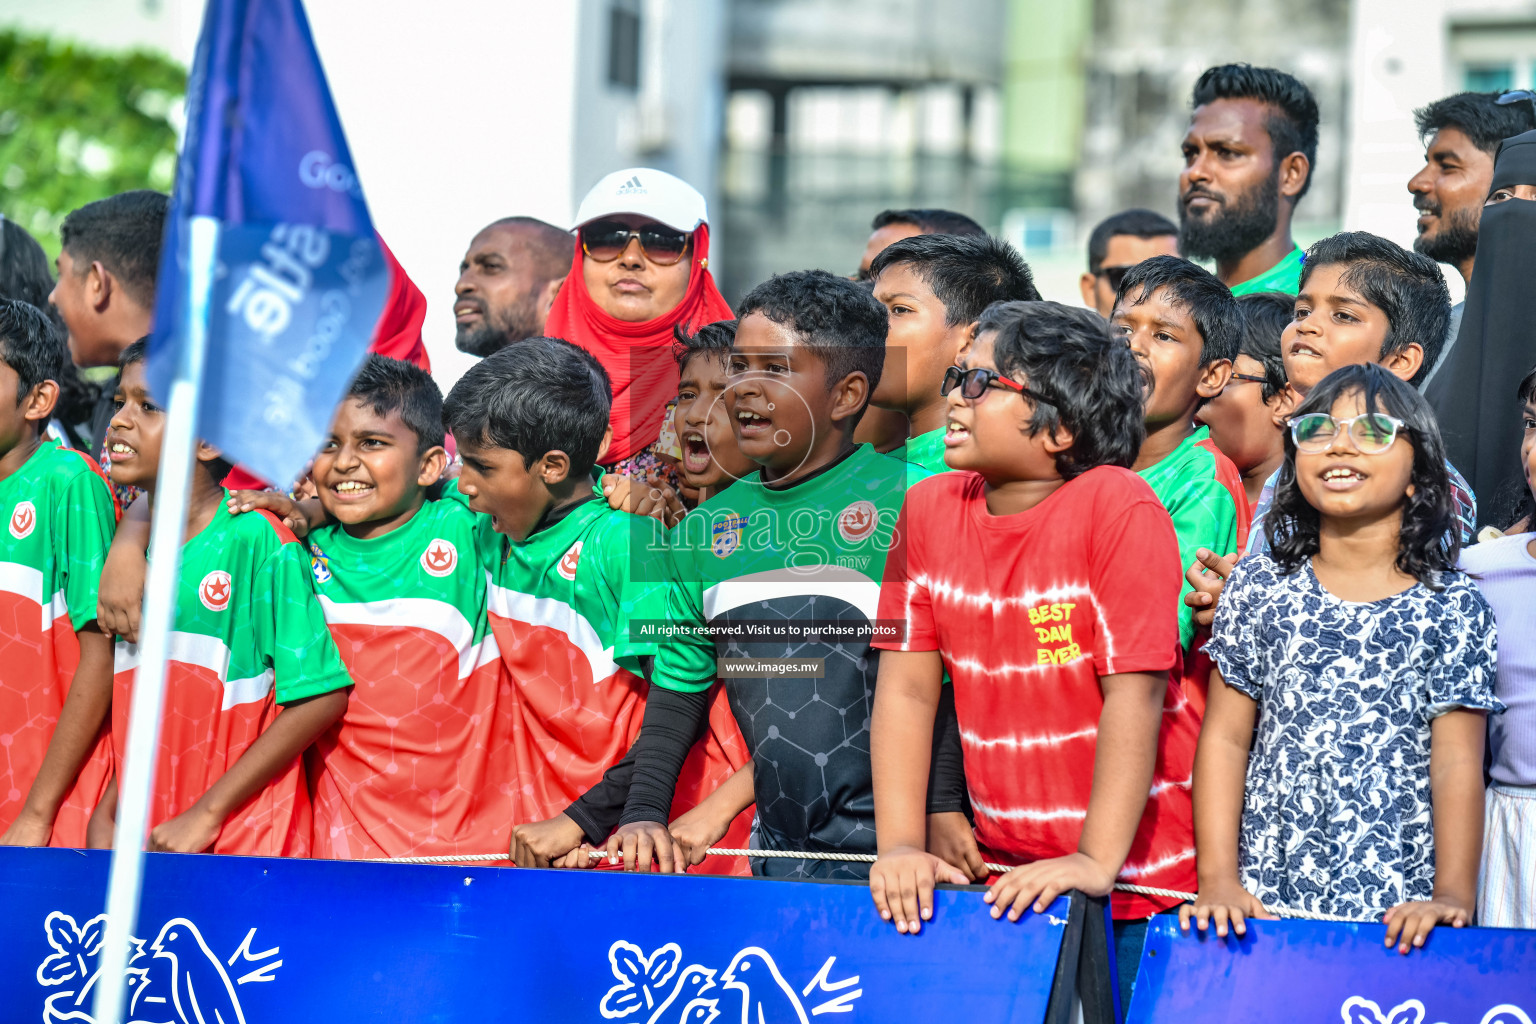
(59, 519)
(560, 605)
(249, 637)
(422, 763)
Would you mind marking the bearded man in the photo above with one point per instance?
(1248, 156)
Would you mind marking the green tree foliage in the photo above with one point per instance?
(77, 125)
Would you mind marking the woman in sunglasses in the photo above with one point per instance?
(640, 268)
(1366, 660)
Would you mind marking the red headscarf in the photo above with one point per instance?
(637, 356)
(396, 335)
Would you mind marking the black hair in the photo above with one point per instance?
(1478, 117)
(217, 467)
(717, 337)
(830, 315)
(535, 397)
(135, 353)
(24, 272)
(1265, 316)
(1137, 223)
(1407, 286)
(123, 232)
(1209, 302)
(29, 345)
(1068, 355)
(1292, 123)
(929, 221)
(1430, 539)
(394, 385)
(1519, 505)
(966, 273)
(25, 275)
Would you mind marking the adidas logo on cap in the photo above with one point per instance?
(632, 187)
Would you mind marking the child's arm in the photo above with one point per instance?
(642, 498)
(950, 837)
(1221, 772)
(1207, 575)
(99, 830)
(299, 516)
(672, 720)
(121, 597)
(906, 698)
(1125, 755)
(699, 829)
(1456, 792)
(297, 726)
(86, 707)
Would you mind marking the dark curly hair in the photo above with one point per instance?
(1068, 355)
(1430, 539)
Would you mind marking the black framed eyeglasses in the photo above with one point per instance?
(1114, 275)
(1251, 378)
(973, 383)
(606, 240)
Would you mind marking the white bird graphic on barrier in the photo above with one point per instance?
(201, 990)
(766, 998)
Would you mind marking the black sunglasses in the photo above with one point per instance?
(606, 240)
(1114, 275)
(973, 383)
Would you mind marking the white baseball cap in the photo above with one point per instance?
(648, 192)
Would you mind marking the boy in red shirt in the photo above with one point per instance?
(55, 663)
(1044, 580)
(254, 677)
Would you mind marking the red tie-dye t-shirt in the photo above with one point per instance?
(1028, 611)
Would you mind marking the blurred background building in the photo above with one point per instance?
(801, 119)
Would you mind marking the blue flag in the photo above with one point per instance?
(300, 277)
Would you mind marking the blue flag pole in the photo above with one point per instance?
(136, 780)
(270, 283)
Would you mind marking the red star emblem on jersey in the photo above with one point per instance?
(440, 557)
(570, 560)
(23, 519)
(856, 522)
(214, 590)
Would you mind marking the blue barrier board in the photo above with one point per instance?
(253, 940)
(1282, 972)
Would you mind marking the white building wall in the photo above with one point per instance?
(463, 111)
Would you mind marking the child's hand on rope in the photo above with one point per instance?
(539, 844)
(1040, 883)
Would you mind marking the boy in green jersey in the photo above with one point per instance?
(254, 677)
(419, 765)
(934, 287)
(1184, 326)
(774, 584)
(55, 663)
(569, 577)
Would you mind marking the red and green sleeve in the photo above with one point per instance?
(291, 634)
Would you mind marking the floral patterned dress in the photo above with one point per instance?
(1336, 809)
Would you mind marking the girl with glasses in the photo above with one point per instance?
(1365, 660)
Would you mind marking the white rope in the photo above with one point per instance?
(864, 858)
